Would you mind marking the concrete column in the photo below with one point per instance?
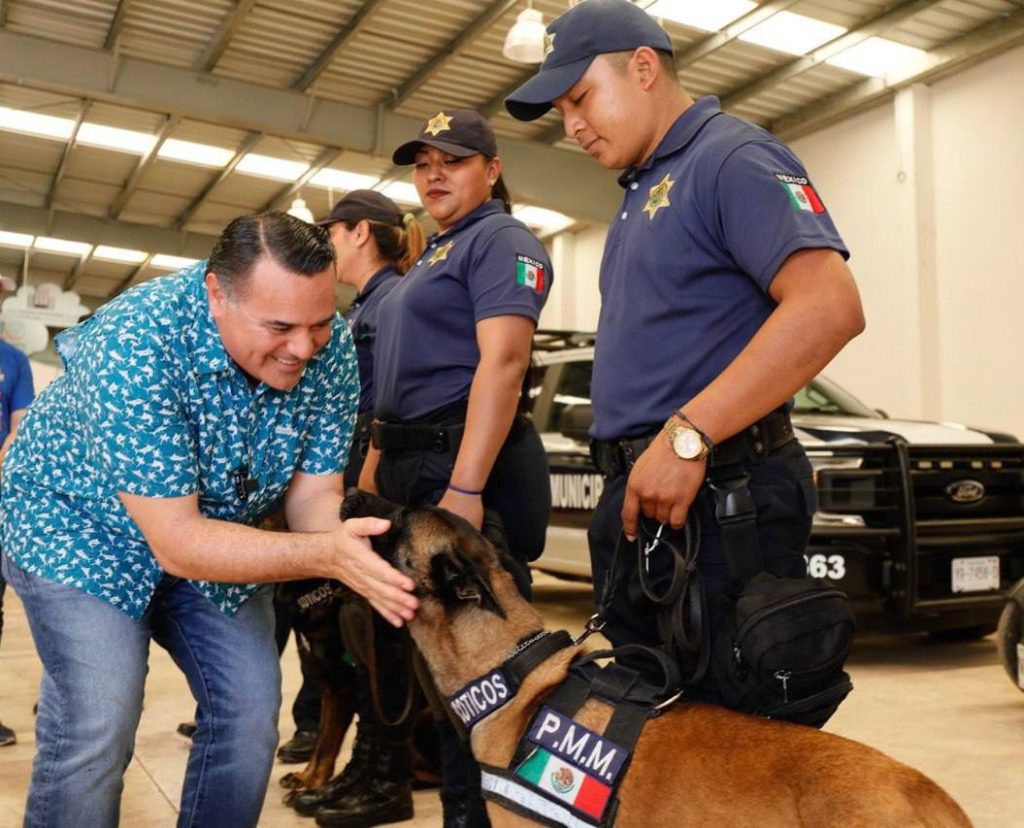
(913, 121)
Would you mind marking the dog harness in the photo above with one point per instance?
(485, 694)
(562, 773)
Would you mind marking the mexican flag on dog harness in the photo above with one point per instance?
(567, 778)
(801, 193)
(565, 781)
(530, 272)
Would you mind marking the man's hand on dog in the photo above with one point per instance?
(359, 567)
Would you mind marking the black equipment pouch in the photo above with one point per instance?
(785, 642)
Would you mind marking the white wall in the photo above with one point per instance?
(574, 301)
(979, 160)
(926, 191)
(942, 278)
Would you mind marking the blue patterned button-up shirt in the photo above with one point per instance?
(151, 404)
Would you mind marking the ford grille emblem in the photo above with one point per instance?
(965, 491)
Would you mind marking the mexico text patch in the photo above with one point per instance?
(530, 272)
(801, 193)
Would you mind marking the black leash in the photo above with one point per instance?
(684, 634)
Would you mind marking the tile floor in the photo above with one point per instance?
(948, 709)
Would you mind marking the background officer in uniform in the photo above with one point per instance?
(189, 406)
(724, 289)
(454, 346)
(375, 243)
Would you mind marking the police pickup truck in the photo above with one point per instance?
(922, 524)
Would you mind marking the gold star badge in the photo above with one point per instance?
(658, 196)
(439, 123)
(549, 43)
(440, 254)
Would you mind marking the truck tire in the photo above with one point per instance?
(1011, 633)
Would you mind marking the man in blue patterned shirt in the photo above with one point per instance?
(188, 407)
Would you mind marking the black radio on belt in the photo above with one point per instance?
(244, 485)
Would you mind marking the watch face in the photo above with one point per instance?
(687, 443)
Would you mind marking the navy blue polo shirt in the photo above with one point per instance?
(362, 322)
(16, 390)
(487, 264)
(705, 224)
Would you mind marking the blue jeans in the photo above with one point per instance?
(94, 668)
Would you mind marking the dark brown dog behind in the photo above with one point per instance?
(693, 765)
(318, 638)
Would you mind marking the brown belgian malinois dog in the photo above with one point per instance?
(694, 764)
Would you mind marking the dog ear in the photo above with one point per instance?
(358, 503)
(457, 580)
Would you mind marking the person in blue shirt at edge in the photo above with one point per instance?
(375, 242)
(189, 406)
(16, 392)
(724, 289)
(453, 349)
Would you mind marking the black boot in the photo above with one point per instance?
(386, 798)
(364, 751)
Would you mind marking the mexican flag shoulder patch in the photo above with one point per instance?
(530, 272)
(801, 194)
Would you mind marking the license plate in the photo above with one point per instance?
(975, 574)
(1020, 666)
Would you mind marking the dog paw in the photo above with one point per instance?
(293, 780)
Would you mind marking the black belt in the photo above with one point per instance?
(415, 436)
(753, 444)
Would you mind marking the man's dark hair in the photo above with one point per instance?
(300, 248)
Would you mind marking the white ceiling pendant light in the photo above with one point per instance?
(301, 211)
(525, 40)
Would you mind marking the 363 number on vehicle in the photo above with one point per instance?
(832, 567)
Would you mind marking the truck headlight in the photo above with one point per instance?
(844, 487)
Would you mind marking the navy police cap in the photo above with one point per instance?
(365, 204)
(591, 28)
(458, 132)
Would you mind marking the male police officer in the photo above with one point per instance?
(724, 289)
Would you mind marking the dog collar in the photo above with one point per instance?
(485, 694)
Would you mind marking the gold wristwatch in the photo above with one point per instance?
(686, 442)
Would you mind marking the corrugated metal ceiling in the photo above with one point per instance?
(358, 53)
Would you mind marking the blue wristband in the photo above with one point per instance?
(462, 491)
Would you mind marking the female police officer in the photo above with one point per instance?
(374, 242)
(449, 365)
